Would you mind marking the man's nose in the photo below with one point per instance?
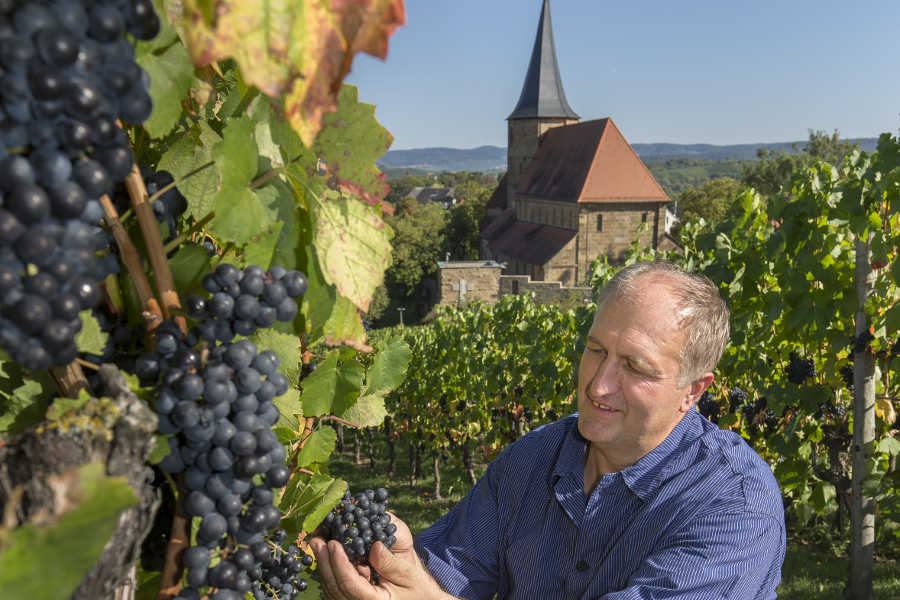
(605, 379)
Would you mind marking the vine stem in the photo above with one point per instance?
(149, 303)
(165, 283)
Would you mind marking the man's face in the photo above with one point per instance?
(629, 397)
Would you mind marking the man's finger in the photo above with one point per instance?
(350, 583)
(323, 560)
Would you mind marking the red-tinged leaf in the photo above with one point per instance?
(349, 143)
(300, 50)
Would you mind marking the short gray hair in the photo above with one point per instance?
(703, 313)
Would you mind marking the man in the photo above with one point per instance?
(636, 496)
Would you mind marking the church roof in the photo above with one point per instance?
(589, 162)
(499, 197)
(533, 243)
(542, 94)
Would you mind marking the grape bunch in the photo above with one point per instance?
(800, 369)
(708, 406)
(68, 73)
(358, 522)
(264, 568)
(243, 301)
(736, 399)
(278, 575)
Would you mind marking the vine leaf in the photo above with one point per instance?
(318, 447)
(353, 245)
(329, 389)
(171, 73)
(24, 398)
(349, 143)
(289, 406)
(286, 346)
(389, 366)
(49, 561)
(297, 49)
(190, 152)
(367, 411)
(91, 339)
(330, 316)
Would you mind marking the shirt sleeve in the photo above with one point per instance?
(724, 556)
(461, 550)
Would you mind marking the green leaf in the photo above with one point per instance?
(192, 151)
(286, 346)
(48, 562)
(240, 215)
(161, 449)
(349, 143)
(318, 447)
(320, 496)
(91, 339)
(388, 369)
(236, 155)
(353, 245)
(329, 389)
(289, 406)
(171, 73)
(24, 397)
(367, 411)
(889, 445)
(189, 264)
(822, 496)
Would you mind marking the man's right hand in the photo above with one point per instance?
(402, 575)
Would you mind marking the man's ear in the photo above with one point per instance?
(695, 390)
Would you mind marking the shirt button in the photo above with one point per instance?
(581, 566)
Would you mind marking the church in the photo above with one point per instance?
(573, 190)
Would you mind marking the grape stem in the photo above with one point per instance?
(149, 303)
(165, 283)
(187, 234)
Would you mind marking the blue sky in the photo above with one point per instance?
(680, 71)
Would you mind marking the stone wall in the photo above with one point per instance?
(463, 281)
(620, 220)
(545, 292)
(523, 137)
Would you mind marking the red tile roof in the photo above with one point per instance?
(589, 162)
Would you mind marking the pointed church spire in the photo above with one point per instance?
(543, 94)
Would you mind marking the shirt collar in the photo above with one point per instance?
(647, 474)
(570, 459)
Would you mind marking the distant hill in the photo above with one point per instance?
(493, 158)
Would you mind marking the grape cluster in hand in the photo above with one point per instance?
(358, 522)
(68, 73)
(278, 575)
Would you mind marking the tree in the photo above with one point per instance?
(462, 238)
(772, 171)
(710, 201)
(417, 244)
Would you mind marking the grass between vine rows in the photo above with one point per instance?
(810, 571)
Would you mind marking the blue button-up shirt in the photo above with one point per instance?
(698, 517)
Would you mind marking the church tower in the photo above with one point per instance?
(542, 105)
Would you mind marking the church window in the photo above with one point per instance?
(599, 222)
(644, 218)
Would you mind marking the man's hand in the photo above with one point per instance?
(402, 574)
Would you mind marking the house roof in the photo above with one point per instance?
(532, 243)
(589, 162)
(542, 93)
(499, 197)
(500, 224)
(431, 194)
